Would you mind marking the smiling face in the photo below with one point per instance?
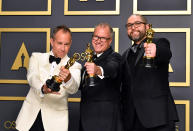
(61, 43)
(101, 39)
(136, 28)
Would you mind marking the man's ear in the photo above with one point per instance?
(147, 26)
(111, 40)
(71, 42)
(51, 41)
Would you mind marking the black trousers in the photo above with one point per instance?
(38, 125)
(139, 127)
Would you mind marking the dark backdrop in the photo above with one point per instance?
(176, 27)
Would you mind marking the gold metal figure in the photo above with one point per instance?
(88, 56)
(149, 34)
(55, 81)
(149, 61)
(72, 60)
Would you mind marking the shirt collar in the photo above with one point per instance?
(98, 55)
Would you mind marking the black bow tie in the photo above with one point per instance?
(52, 59)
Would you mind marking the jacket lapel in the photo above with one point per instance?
(44, 67)
(127, 63)
(140, 54)
(62, 63)
(47, 63)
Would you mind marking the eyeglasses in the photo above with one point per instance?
(103, 39)
(136, 24)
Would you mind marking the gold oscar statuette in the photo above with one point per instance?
(55, 81)
(88, 56)
(149, 61)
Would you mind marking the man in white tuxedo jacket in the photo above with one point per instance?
(44, 109)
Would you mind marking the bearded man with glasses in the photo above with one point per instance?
(147, 101)
(100, 104)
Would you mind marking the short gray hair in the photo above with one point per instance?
(64, 28)
(103, 25)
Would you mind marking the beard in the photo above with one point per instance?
(136, 38)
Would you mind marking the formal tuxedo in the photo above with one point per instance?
(100, 104)
(54, 107)
(145, 91)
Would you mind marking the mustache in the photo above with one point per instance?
(135, 31)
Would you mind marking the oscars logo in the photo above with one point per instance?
(22, 59)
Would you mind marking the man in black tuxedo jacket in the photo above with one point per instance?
(147, 101)
(100, 104)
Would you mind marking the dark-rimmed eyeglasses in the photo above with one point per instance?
(136, 24)
(103, 39)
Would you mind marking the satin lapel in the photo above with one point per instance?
(83, 75)
(127, 64)
(62, 63)
(141, 53)
(45, 67)
(130, 75)
(47, 63)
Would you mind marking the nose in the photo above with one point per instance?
(62, 48)
(98, 39)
